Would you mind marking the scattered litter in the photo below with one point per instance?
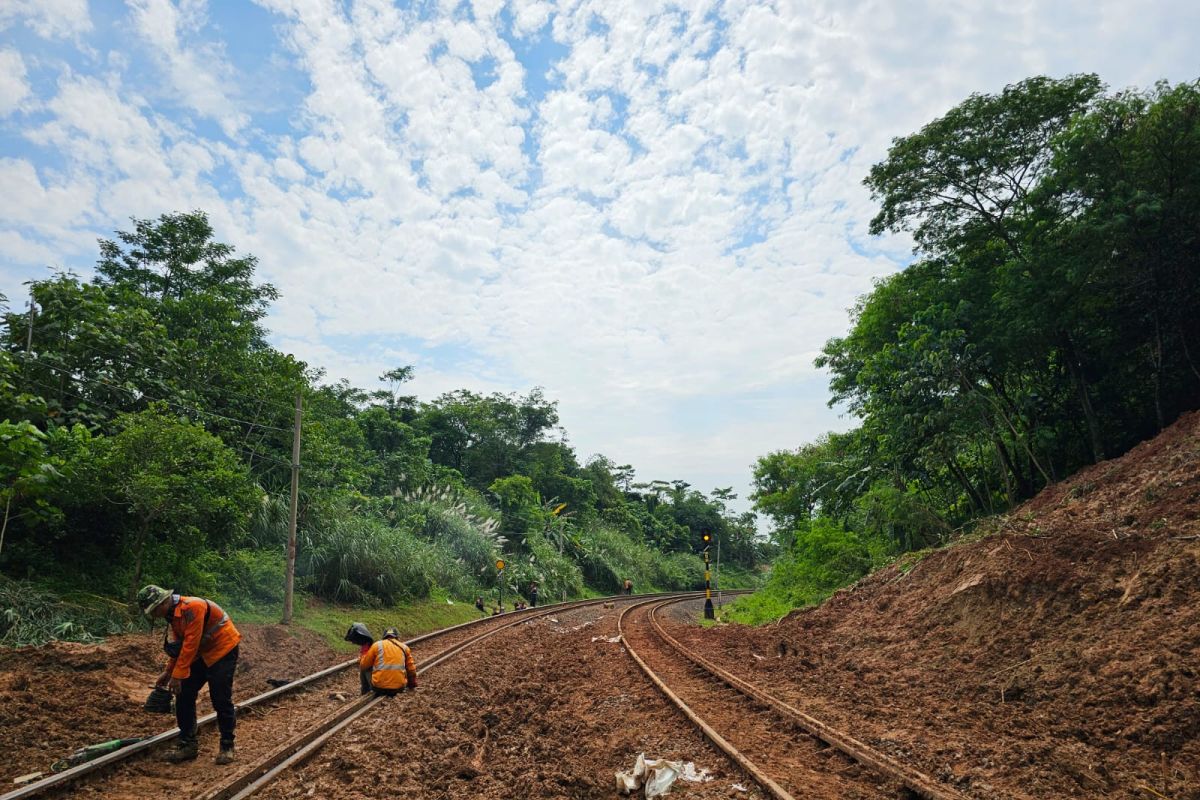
(554, 620)
(737, 787)
(581, 627)
(661, 779)
(339, 696)
(655, 776)
(756, 656)
(609, 639)
(449, 602)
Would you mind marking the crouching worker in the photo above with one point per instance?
(390, 664)
(203, 649)
(360, 635)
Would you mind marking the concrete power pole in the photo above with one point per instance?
(290, 580)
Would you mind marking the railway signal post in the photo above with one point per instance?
(709, 613)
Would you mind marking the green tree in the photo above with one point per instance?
(180, 485)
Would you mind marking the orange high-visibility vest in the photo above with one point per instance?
(210, 641)
(391, 664)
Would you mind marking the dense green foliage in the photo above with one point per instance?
(145, 434)
(1049, 319)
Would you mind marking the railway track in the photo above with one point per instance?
(787, 752)
(311, 718)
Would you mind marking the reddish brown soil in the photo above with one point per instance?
(539, 711)
(1056, 656)
(62, 696)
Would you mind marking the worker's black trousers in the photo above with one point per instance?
(219, 678)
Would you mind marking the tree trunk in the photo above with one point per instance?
(1187, 354)
(1156, 359)
(4, 528)
(1008, 471)
(1085, 401)
(965, 482)
(137, 564)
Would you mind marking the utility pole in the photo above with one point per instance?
(290, 580)
(29, 335)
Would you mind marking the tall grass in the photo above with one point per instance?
(357, 559)
(608, 557)
(31, 615)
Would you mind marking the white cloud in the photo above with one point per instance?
(199, 75)
(13, 86)
(51, 19)
(676, 222)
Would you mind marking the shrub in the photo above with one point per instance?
(243, 578)
(823, 558)
(31, 615)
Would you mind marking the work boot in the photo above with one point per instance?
(184, 750)
(226, 755)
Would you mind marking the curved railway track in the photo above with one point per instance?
(787, 752)
(293, 708)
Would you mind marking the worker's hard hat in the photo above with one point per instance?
(151, 597)
(359, 634)
(391, 633)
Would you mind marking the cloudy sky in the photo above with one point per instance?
(653, 210)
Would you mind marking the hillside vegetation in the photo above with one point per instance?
(1047, 322)
(147, 432)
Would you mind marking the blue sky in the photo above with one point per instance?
(653, 210)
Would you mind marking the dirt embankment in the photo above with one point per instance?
(62, 696)
(1055, 657)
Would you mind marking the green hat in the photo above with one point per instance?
(391, 633)
(151, 597)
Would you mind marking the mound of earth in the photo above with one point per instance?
(1055, 656)
(64, 695)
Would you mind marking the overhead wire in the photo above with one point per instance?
(283, 407)
(172, 403)
(115, 410)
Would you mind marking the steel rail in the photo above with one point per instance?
(760, 777)
(83, 770)
(301, 747)
(913, 780)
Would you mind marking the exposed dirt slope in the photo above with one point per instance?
(1055, 657)
(62, 696)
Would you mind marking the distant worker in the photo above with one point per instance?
(479, 604)
(628, 586)
(204, 649)
(533, 593)
(360, 635)
(390, 665)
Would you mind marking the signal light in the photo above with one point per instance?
(706, 537)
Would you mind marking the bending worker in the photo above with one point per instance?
(360, 635)
(204, 650)
(390, 663)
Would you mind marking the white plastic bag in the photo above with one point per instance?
(661, 779)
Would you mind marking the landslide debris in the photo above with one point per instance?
(64, 695)
(1055, 655)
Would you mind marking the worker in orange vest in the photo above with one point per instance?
(390, 663)
(360, 635)
(204, 649)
